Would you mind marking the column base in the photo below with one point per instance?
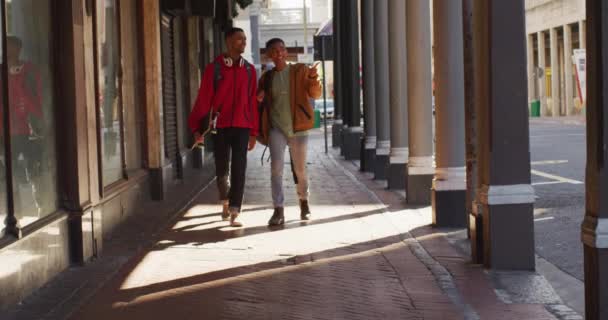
(449, 208)
(362, 154)
(198, 158)
(336, 135)
(508, 236)
(380, 166)
(397, 176)
(369, 157)
(157, 184)
(419, 189)
(352, 144)
(476, 234)
(596, 282)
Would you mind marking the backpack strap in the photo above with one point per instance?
(248, 67)
(217, 76)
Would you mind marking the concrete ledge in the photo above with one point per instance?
(381, 163)
(419, 189)
(397, 176)
(449, 208)
(157, 184)
(32, 261)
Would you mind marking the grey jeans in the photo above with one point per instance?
(298, 148)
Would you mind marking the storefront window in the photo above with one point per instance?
(108, 90)
(31, 109)
(3, 209)
(131, 86)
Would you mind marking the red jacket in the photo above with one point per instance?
(234, 98)
(25, 99)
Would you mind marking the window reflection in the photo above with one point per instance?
(107, 39)
(31, 110)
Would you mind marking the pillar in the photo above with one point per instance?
(475, 227)
(542, 79)
(381, 58)
(448, 195)
(336, 130)
(531, 73)
(595, 224)
(369, 90)
(420, 94)
(152, 99)
(555, 89)
(582, 34)
(568, 70)
(505, 196)
(254, 11)
(351, 88)
(399, 155)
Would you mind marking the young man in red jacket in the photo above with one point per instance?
(227, 92)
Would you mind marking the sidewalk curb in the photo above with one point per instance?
(566, 286)
(443, 278)
(559, 281)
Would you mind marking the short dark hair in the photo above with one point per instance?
(272, 42)
(230, 32)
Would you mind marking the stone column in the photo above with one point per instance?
(582, 34)
(448, 196)
(397, 169)
(595, 223)
(381, 57)
(336, 130)
(531, 73)
(369, 90)
(351, 98)
(506, 196)
(555, 90)
(420, 95)
(475, 228)
(542, 79)
(569, 103)
(254, 10)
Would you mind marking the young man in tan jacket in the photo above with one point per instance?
(286, 116)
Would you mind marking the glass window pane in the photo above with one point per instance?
(131, 86)
(108, 64)
(31, 108)
(3, 211)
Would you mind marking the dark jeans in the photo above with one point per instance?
(230, 151)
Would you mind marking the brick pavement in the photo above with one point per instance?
(364, 256)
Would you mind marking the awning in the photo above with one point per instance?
(327, 28)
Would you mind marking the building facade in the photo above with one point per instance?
(95, 99)
(556, 40)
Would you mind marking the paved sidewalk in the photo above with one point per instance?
(364, 256)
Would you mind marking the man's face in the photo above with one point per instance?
(278, 53)
(237, 42)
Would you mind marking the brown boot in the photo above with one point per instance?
(304, 210)
(278, 217)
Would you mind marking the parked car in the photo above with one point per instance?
(330, 108)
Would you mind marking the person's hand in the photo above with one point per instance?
(313, 73)
(252, 141)
(260, 96)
